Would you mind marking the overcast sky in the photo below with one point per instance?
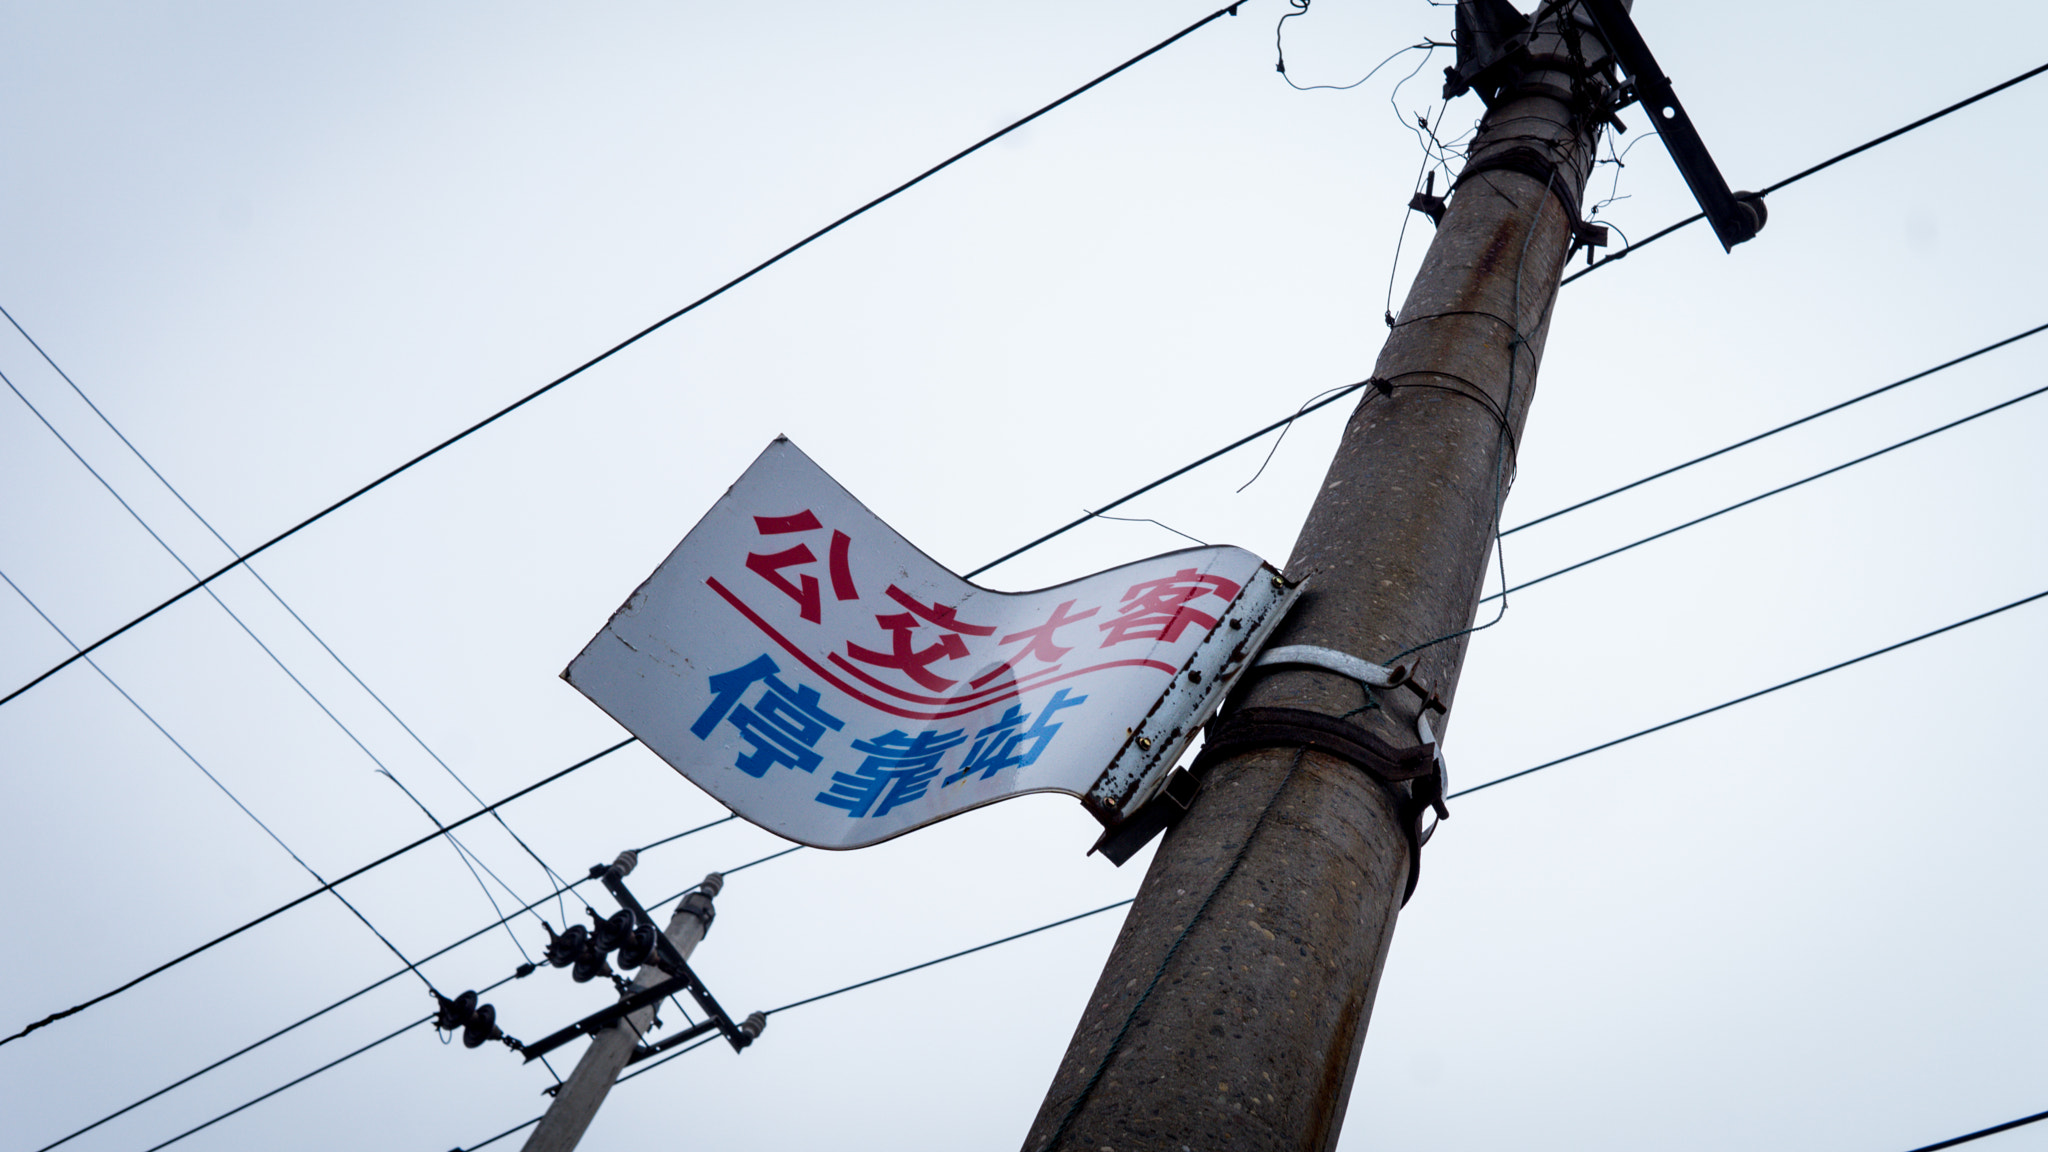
(284, 248)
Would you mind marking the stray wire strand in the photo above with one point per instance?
(325, 887)
(1751, 696)
(1745, 442)
(1300, 8)
(1154, 523)
(1823, 165)
(245, 557)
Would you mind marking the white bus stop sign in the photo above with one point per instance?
(821, 677)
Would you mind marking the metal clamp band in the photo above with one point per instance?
(1331, 660)
(1421, 767)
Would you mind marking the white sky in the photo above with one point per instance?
(285, 248)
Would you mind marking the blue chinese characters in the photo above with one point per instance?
(782, 723)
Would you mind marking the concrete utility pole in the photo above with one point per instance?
(579, 1097)
(1232, 1011)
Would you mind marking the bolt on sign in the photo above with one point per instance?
(824, 679)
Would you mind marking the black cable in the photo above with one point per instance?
(763, 860)
(487, 989)
(521, 1126)
(569, 887)
(325, 887)
(1745, 442)
(1827, 163)
(296, 1081)
(690, 832)
(1994, 1130)
(943, 959)
(1780, 489)
(823, 996)
(1750, 696)
(628, 342)
(553, 876)
(222, 785)
(304, 1020)
(1335, 395)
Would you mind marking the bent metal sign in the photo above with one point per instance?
(823, 678)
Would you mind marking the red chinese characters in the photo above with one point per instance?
(1159, 609)
(804, 589)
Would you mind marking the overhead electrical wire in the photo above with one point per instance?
(1979, 1134)
(1746, 697)
(1779, 490)
(1788, 425)
(242, 558)
(553, 876)
(376, 984)
(1276, 425)
(326, 886)
(469, 859)
(836, 992)
(524, 971)
(1830, 162)
(222, 785)
(1460, 793)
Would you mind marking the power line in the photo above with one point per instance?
(553, 876)
(304, 1020)
(1780, 489)
(324, 887)
(218, 783)
(1335, 395)
(1012, 554)
(374, 985)
(943, 959)
(245, 557)
(1830, 162)
(1463, 792)
(468, 858)
(1750, 696)
(1745, 442)
(1994, 1130)
(829, 995)
(524, 971)
(1033, 544)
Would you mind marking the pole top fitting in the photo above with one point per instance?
(713, 884)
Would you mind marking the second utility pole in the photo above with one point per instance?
(578, 1098)
(1233, 1007)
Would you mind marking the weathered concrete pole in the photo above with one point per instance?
(580, 1096)
(1233, 1008)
